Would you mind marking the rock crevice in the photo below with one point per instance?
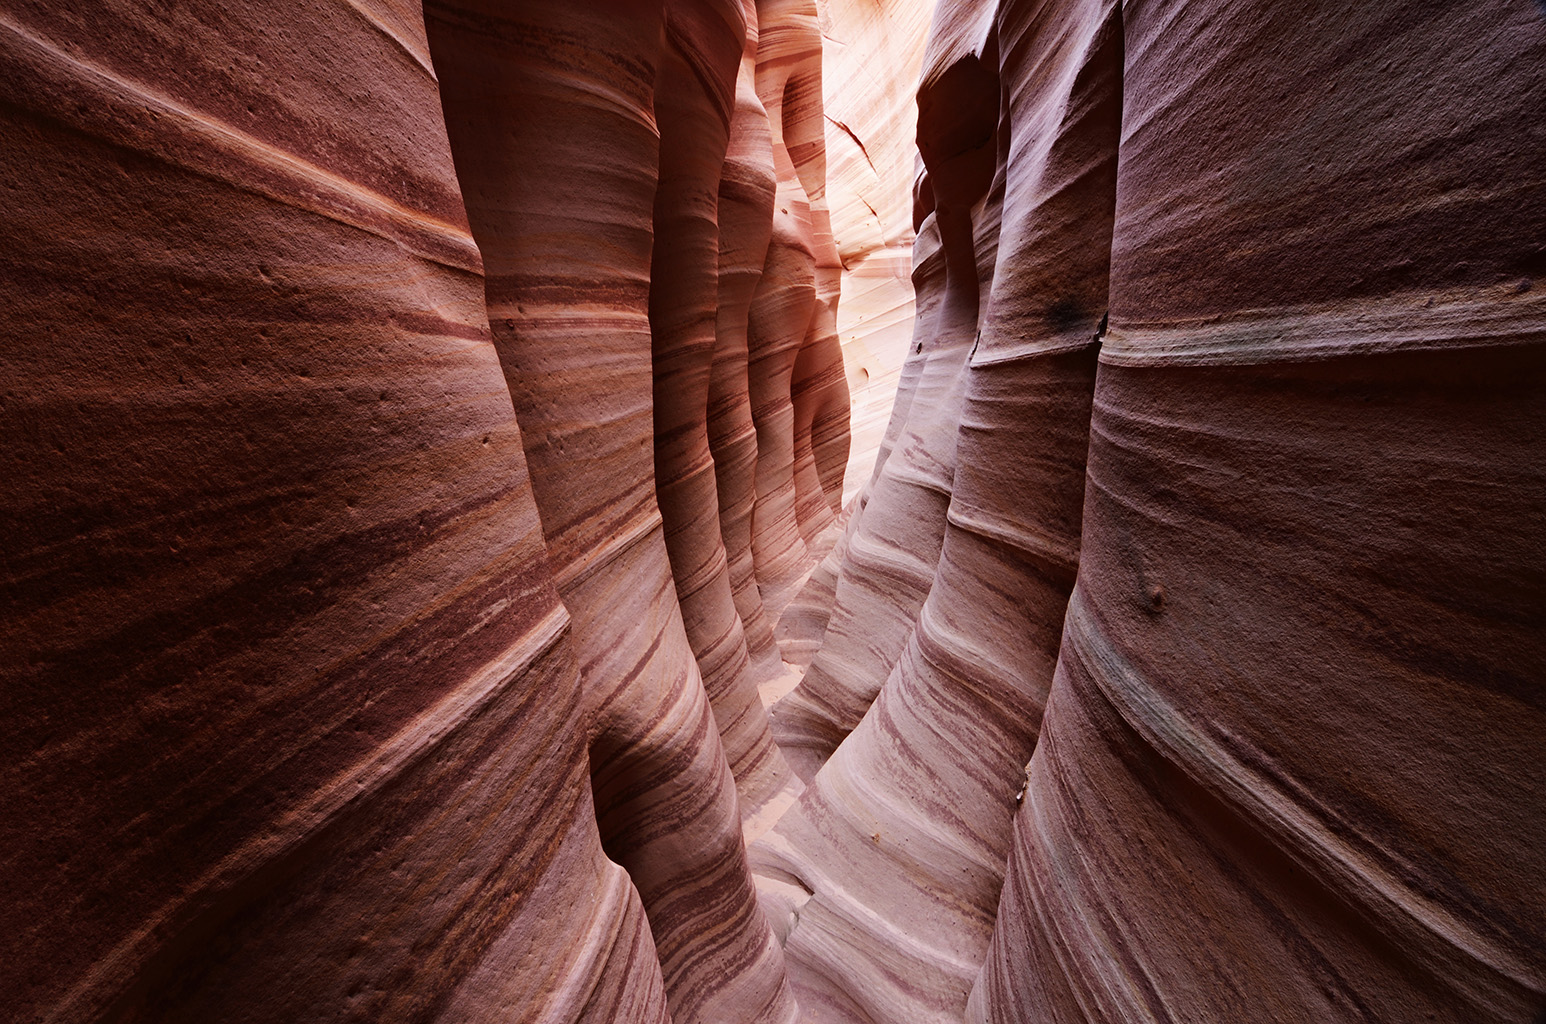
(465, 563)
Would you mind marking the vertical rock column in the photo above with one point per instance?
(904, 833)
(789, 81)
(292, 728)
(694, 95)
(802, 628)
(819, 384)
(1290, 766)
(550, 112)
(783, 310)
(746, 188)
(872, 54)
(892, 555)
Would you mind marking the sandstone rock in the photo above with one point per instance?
(798, 390)
(802, 628)
(694, 98)
(871, 56)
(560, 190)
(790, 64)
(746, 193)
(331, 715)
(293, 728)
(1287, 768)
(910, 820)
(891, 558)
(1212, 486)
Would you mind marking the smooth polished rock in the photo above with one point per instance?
(891, 558)
(910, 820)
(798, 389)
(694, 99)
(293, 728)
(552, 121)
(746, 194)
(872, 53)
(1288, 762)
(1283, 732)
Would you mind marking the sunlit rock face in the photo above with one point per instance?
(871, 56)
(872, 53)
(891, 554)
(799, 393)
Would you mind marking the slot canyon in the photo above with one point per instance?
(772, 511)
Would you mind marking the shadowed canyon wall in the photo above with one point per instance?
(464, 562)
(370, 645)
(295, 721)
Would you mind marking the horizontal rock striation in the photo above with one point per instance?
(367, 563)
(871, 56)
(1293, 674)
(745, 218)
(294, 727)
(564, 193)
(426, 432)
(890, 558)
(1258, 363)
(705, 45)
(910, 821)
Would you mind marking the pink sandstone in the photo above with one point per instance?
(427, 431)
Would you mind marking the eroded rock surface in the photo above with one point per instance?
(1292, 482)
(872, 55)
(894, 830)
(294, 727)
(1295, 671)
(426, 433)
(329, 425)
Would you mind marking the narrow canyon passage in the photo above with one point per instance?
(773, 511)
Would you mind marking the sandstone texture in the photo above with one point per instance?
(773, 511)
(1184, 656)
(370, 646)
(872, 53)
(294, 728)
(1305, 670)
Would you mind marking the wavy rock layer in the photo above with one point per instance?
(745, 216)
(303, 730)
(423, 428)
(695, 101)
(796, 390)
(871, 56)
(566, 225)
(1296, 673)
(890, 833)
(294, 728)
(891, 556)
(1282, 729)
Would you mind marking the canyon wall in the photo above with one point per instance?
(1184, 657)
(445, 580)
(371, 648)
(872, 51)
(1302, 666)
(295, 725)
